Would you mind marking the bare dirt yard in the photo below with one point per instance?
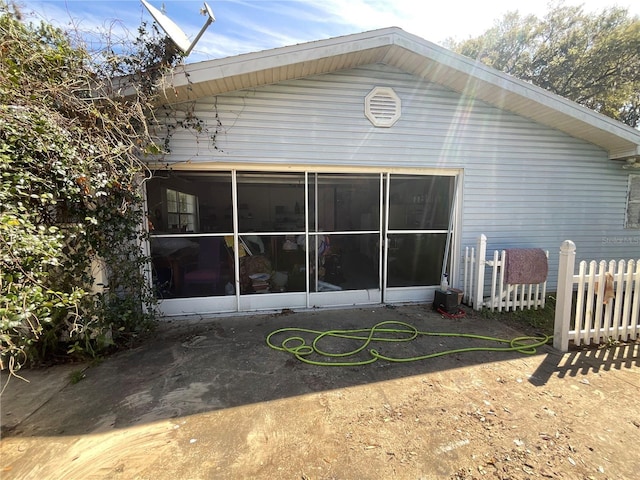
(210, 400)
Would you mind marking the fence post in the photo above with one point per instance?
(564, 296)
(480, 263)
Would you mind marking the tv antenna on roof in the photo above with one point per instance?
(173, 31)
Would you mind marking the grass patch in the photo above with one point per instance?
(76, 376)
(533, 321)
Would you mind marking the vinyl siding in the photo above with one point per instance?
(525, 184)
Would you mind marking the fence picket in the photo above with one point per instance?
(619, 287)
(465, 276)
(501, 291)
(592, 320)
(635, 314)
(627, 300)
(607, 321)
(512, 291)
(480, 267)
(598, 320)
(494, 273)
(533, 295)
(579, 312)
(587, 325)
(474, 268)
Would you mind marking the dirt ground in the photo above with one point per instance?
(209, 400)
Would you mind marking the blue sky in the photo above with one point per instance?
(244, 26)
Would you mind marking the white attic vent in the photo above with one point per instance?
(382, 107)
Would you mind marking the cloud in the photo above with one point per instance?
(244, 26)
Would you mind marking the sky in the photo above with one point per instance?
(244, 26)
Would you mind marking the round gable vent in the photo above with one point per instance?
(382, 106)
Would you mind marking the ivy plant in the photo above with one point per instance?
(71, 207)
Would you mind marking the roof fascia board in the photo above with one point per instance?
(624, 154)
(280, 57)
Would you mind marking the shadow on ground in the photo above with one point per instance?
(190, 366)
(584, 360)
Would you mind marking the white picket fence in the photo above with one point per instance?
(585, 311)
(502, 296)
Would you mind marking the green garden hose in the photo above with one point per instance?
(387, 331)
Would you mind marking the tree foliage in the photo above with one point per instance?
(70, 197)
(592, 59)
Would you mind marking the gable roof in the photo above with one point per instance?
(414, 55)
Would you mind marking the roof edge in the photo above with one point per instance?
(479, 81)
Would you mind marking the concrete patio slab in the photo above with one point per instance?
(207, 398)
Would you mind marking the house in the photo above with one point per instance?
(354, 171)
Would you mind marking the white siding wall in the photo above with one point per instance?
(525, 185)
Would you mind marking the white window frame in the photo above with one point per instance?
(185, 210)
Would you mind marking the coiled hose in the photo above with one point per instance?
(387, 331)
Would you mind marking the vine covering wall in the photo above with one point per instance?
(70, 165)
